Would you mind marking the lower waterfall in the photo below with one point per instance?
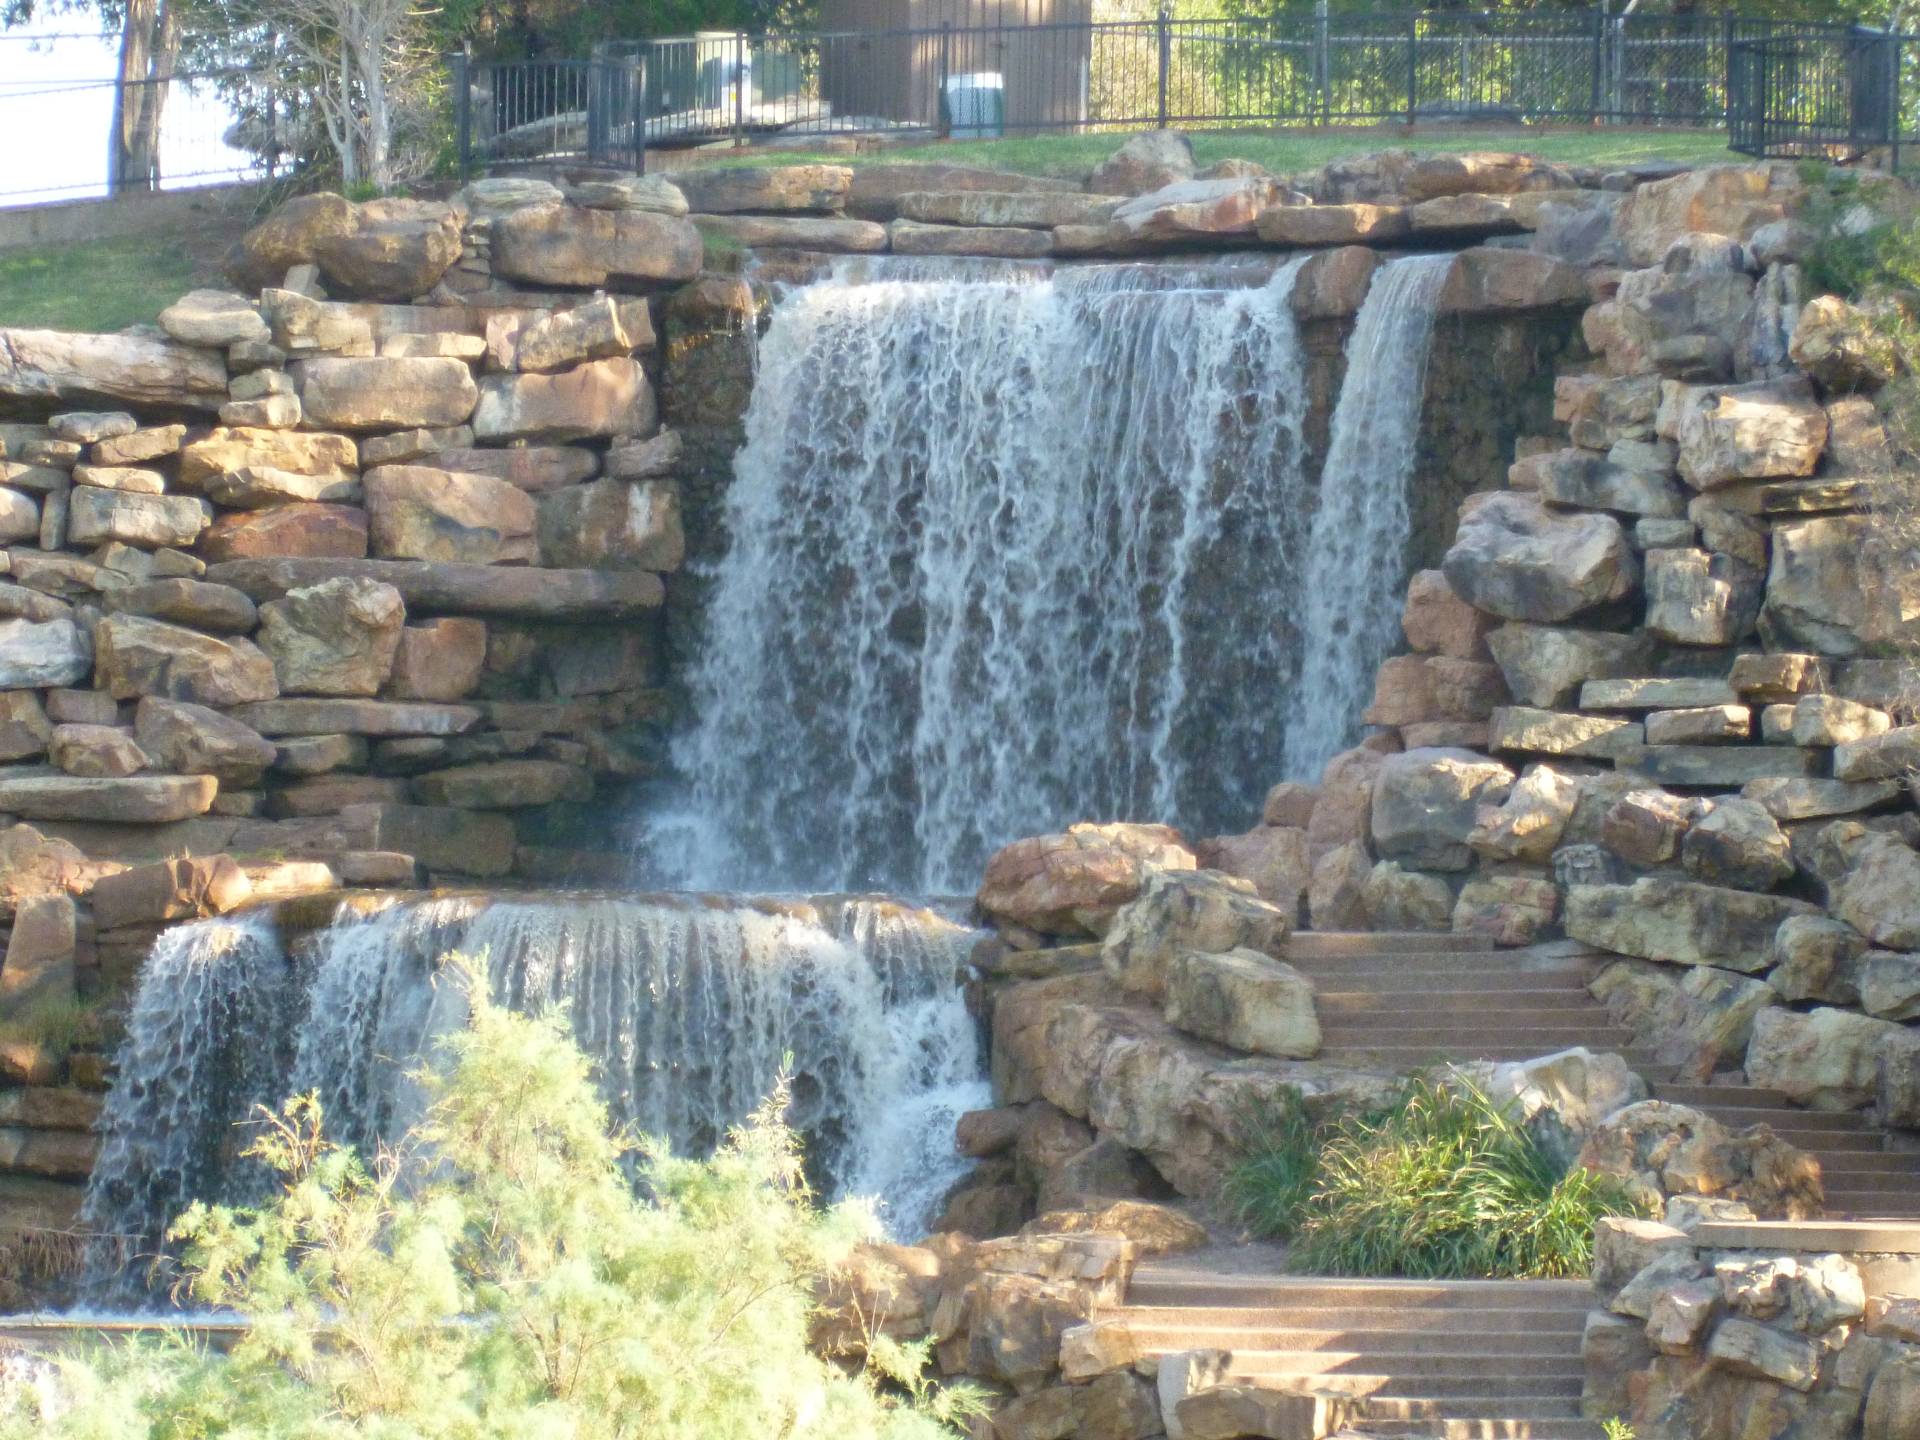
(1013, 546)
(689, 1005)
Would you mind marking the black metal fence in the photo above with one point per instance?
(978, 81)
(1833, 94)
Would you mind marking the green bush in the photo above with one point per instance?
(1267, 1190)
(496, 1277)
(1443, 1183)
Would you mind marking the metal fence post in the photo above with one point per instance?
(462, 64)
(1413, 66)
(1599, 57)
(943, 117)
(1726, 60)
(1322, 62)
(1165, 34)
(1893, 98)
(637, 110)
(739, 88)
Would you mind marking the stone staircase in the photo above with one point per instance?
(1461, 1359)
(1465, 1360)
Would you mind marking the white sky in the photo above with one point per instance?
(53, 146)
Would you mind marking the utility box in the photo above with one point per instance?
(896, 60)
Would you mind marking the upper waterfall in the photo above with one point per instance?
(689, 1005)
(1013, 545)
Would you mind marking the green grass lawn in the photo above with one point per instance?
(102, 285)
(1284, 151)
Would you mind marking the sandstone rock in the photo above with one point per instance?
(387, 392)
(714, 190)
(212, 317)
(1191, 210)
(137, 656)
(95, 751)
(1425, 805)
(492, 196)
(416, 512)
(24, 727)
(565, 245)
(1583, 480)
(536, 469)
(35, 655)
(1679, 921)
(1153, 1229)
(439, 660)
(1074, 882)
(314, 531)
(193, 740)
(396, 248)
(1879, 892)
(1737, 843)
(601, 328)
(57, 365)
(1739, 432)
(1436, 621)
(1336, 896)
(909, 237)
(40, 954)
(1506, 910)
(287, 238)
(522, 593)
(1838, 345)
(181, 889)
(653, 193)
(1699, 1019)
(1514, 559)
(612, 524)
(1243, 999)
(1289, 805)
(95, 516)
(1816, 958)
(1528, 826)
(1731, 200)
(1889, 985)
(604, 397)
(1309, 226)
(1544, 666)
(1744, 1347)
(1273, 858)
(1699, 725)
(1832, 720)
(1223, 1412)
(1826, 1058)
(1179, 910)
(130, 479)
(1394, 898)
(1892, 755)
(405, 445)
(1520, 729)
(321, 754)
(336, 638)
(223, 451)
(133, 800)
(1038, 209)
(31, 864)
(1661, 1150)
(1147, 161)
(1679, 1316)
(838, 236)
(260, 487)
(503, 785)
(1893, 1402)
(1694, 598)
(194, 603)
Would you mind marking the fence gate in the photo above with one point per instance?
(1832, 95)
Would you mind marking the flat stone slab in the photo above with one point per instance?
(1718, 765)
(1798, 799)
(1857, 1237)
(356, 717)
(461, 589)
(1658, 693)
(37, 794)
(1798, 497)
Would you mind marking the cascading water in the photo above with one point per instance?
(688, 1004)
(1356, 550)
(1013, 546)
(1010, 546)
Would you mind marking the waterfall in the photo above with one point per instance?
(687, 1004)
(1356, 552)
(1011, 546)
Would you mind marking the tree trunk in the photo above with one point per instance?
(149, 48)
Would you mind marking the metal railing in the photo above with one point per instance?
(1835, 94)
(1568, 66)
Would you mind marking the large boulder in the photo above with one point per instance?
(612, 524)
(1145, 162)
(601, 398)
(226, 450)
(1561, 1098)
(42, 654)
(1514, 558)
(395, 250)
(1748, 432)
(1395, 898)
(1545, 665)
(416, 512)
(137, 656)
(1840, 346)
(1827, 1058)
(335, 638)
(1840, 585)
(1273, 857)
(566, 245)
(1426, 805)
(601, 328)
(1243, 999)
(1181, 910)
(288, 237)
(1817, 958)
(97, 517)
(1662, 1150)
(1878, 892)
(1698, 598)
(1732, 200)
(1072, 883)
(1680, 922)
(1527, 827)
(386, 392)
(1738, 843)
(1699, 1018)
(301, 529)
(194, 740)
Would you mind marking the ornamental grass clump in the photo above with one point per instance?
(497, 1277)
(1442, 1183)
